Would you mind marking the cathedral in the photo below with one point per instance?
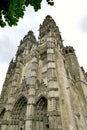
(45, 88)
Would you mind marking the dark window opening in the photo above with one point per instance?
(47, 126)
(66, 51)
(70, 51)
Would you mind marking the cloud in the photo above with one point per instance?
(83, 24)
(3, 69)
(6, 49)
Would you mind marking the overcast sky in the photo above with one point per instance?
(70, 16)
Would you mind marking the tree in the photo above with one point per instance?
(12, 10)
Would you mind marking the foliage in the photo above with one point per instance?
(12, 10)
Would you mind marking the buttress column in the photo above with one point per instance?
(31, 93)
(53, 89)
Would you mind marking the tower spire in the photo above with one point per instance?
(49, 25)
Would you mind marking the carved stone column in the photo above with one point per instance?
(53, 89)
(29, 125)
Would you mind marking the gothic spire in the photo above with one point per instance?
(47, 26)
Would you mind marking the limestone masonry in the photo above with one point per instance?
(45, 88)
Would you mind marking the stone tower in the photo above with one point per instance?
(45, 88)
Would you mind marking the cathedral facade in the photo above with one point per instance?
(45, 88)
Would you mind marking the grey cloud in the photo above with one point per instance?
(83, 24)
(7, 49)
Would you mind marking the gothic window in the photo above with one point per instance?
(41, 119)
(19, 113)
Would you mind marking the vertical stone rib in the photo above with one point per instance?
(53, 88)
(31, 100)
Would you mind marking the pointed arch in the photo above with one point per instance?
(41, 118)
(41, 96)
(19, 113)
(18, 98)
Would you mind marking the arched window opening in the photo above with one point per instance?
(70, 51)
(66, 51)
(41, 119)
(19, 113)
